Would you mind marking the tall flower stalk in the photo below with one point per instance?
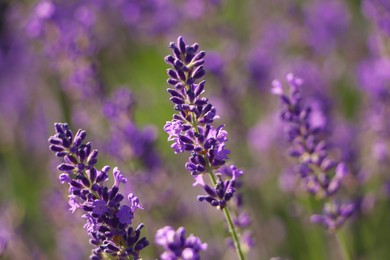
(109, 221)
(191, 130)
(320, 174)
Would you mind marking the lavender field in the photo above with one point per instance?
(195, 129)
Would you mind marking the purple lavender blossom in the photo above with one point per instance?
(264, 134)
(307, 145)
(223, 191)
(65, 31)
(265, 53)
(191, 129)
(5, 237)
(373, 74)
(108, 220)
(156, 17)
(374, 77)
(379, 12)
(334, 215)
(127, 140)
(326, 21)
(24, 110)
(320, 174)
(177, 245)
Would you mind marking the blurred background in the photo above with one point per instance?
(99, 65)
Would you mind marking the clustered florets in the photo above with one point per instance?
(191, 129)
(177, 245)
(320, 174)
(127, 141)
(108, 220)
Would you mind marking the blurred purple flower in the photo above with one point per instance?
(379, 12)
(265, 134)
(320, 174)
(128, 141)
(374, 77)
(326, 21)
(177, 245)
(65, 31)
(334, 215)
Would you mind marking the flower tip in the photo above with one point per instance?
(277, 87)
(341, 170)
(290, 76)
(316, 219)
(348, 210)
(198, 180)
(292, 79)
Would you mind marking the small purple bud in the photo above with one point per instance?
(181, 74)
(181, 44)
(198, 72)
(179, 64)
(177, 100)
(56, 148)
(174, 93)
(85, 181)
(76, 184)
(55, 140)
(341, 170)
(92, 174)
(92, 158)
(66, 167)
(169, 59)
(172, 73)
(199, 56)
(79, 137)
(185, 139)
(172, 81)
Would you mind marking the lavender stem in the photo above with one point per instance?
(232, 229)
(343, 245)
(192, 131)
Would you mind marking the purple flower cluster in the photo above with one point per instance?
(326, 22)
(334, 215)
(223, 191)
(191, 129)
(177, 245)
(66, 33)
(128, 141)
(320, 174)
(158, 17)
(379, 12)
(108, 220)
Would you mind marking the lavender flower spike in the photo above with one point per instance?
(191, 129)
(177, 246)
(334, 215)
(108, 219)
(321, 175)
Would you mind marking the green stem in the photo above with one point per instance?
(234, 234)
(232, 229)
(343, 245)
